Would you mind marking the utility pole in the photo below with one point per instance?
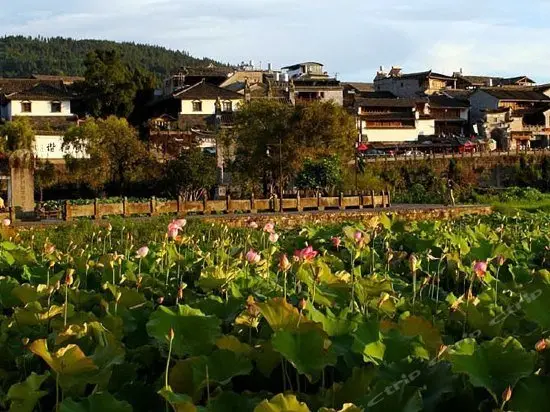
(281, 173)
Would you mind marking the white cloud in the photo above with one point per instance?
(351, 37)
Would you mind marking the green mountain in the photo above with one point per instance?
(22, 56)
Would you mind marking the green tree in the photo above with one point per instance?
(322, 175)
(44, 177)
(18, 134)
(192, 174)
(114, 152)
(271, 137)
(109, 88)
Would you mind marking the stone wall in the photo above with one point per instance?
(293, 220)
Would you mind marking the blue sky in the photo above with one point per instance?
(351, 37)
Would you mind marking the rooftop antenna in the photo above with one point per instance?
(336, 75)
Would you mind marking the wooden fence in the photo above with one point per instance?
(181, 207)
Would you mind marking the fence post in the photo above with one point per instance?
(373, 200)
(319, 207)
(389, 196)
(153, 206)
(299, 203)
(341, 201)
(96, 209)
(179, 201)
(228, 203)
(12, 214)
(125, 206)
(252, 203)
(67, 211)
(360, 199)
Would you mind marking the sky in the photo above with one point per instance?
(351, 37)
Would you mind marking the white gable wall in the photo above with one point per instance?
(38, 108)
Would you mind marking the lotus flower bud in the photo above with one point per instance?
(541, 345)
(6, 222)
(480, 268)
(142, 252)
(69, 277)
(413, 261)
(171, 334)
(25, 341)
(118, 296)
(302, 304)
(507, 394)
(500, 260)
(336, 242)
(253, 225)
(273, 237)
(284, 263)
(160, 300)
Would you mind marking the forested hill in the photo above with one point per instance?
(24, 56)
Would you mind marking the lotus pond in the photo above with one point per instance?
(394, 316)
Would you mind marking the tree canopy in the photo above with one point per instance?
(18, 134)
(270, 135)
(22, 56)
(111, 87)
(115, 153)
(191, 174)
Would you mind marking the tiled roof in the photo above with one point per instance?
(458, 93)
(496, 81)
(360, 86)
(64, 79)
(206, 91)
(33, 89)
(425, 75)
(52, 124)
(526, 93)
(297, 65)
(389, 116)
(384, 102)
(442, 101)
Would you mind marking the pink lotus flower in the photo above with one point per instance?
(175, 226)
(253, 257)
(358, 236)
(336, 242)
(6, 222)
(253, 225)
(269, 227)
(306, 255)
(480, 268)
(284, 263)
(273, 237)
(142, 252)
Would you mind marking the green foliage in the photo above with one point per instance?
(194, 325)
(24, 56)
(324, 174)
(272, 137)
(18, 134)
(191, 174)
(116, 155)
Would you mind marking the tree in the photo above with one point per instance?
(18, 134)
(320, 175)
(271, 137)
(109, 88)
(44, 177)
(191, 175)
(114, 153)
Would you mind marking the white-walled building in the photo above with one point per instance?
(392, 120)
(47, 104)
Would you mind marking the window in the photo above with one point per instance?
(402, 84)
(197, 106)
(227, 106)
(56, 107)
(26, 107)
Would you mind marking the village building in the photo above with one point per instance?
(523, 113)
(353, 90)
(392, 120)
(451, 115)
(185, 76)
(411, 85)
(474, 82)
(47, 105)
(309, 82)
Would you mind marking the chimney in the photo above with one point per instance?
(269, 67)
(246, 90)
(490, 82)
